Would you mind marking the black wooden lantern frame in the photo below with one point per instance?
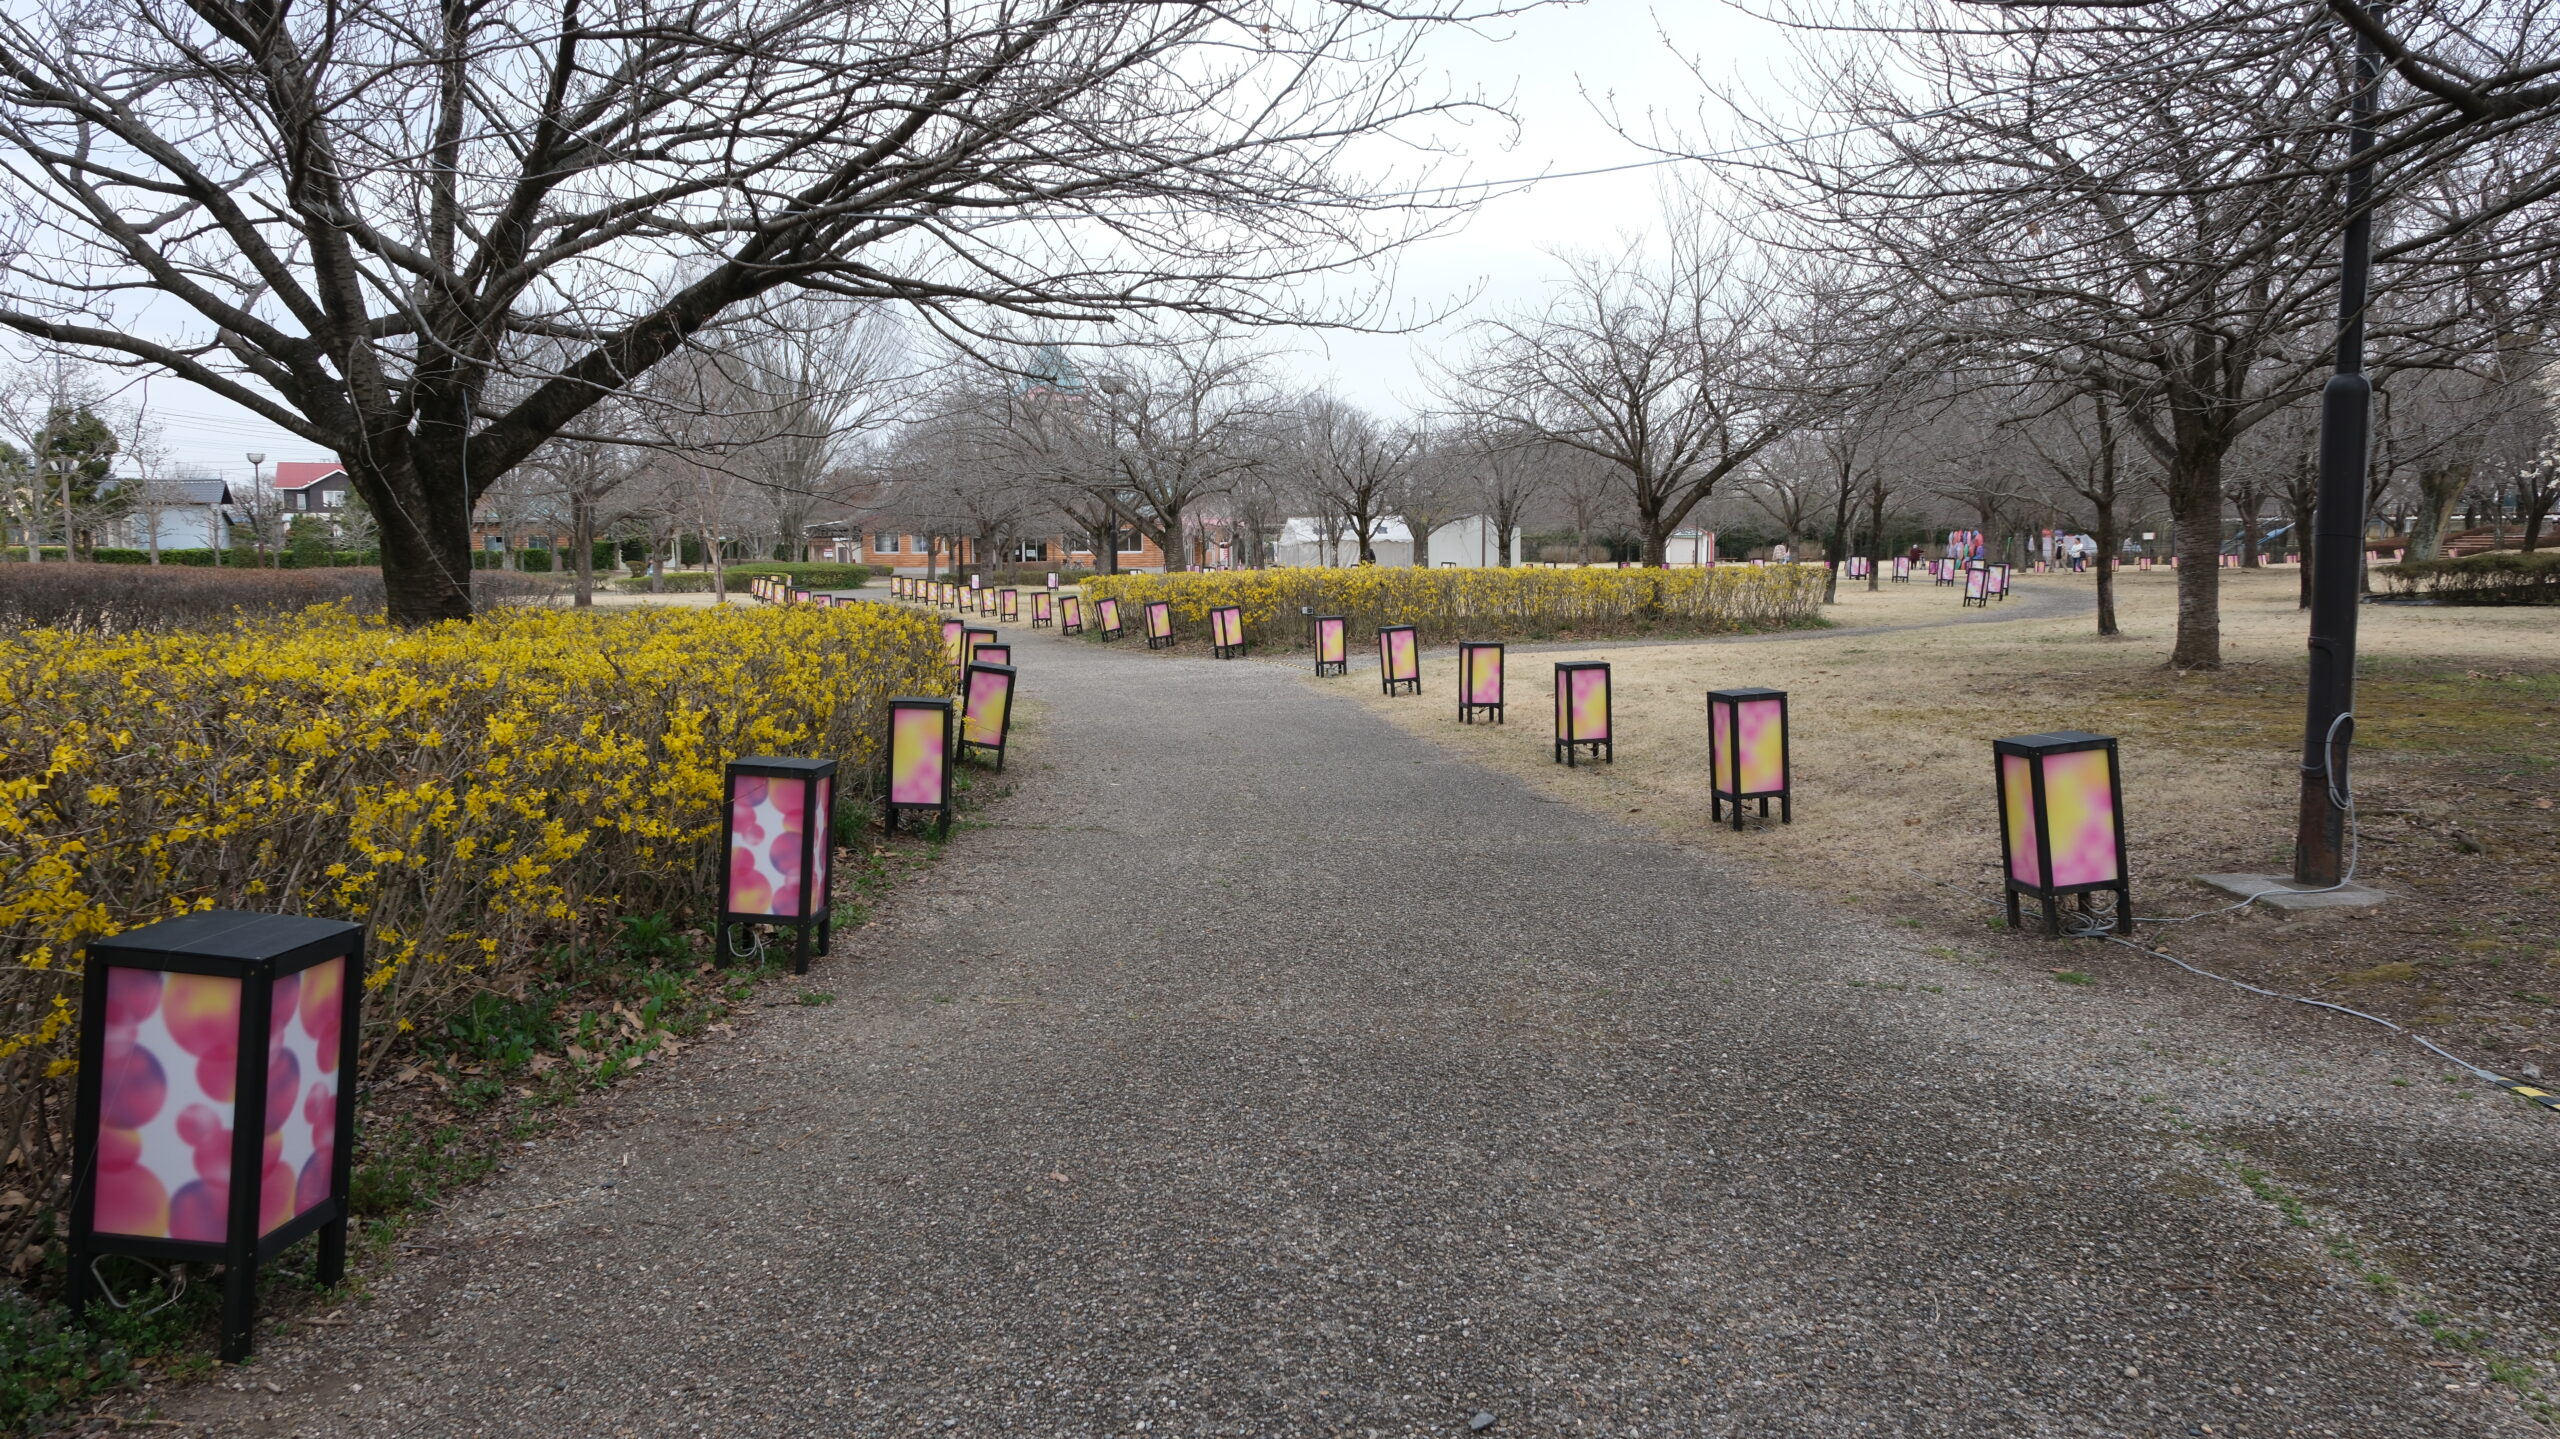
(1388, 683)
(1070, 615)
(938, 805)
(1569, 745)
(1004, 719)
(1315, 636)
(970, 639)
(812, 926)
(1107, 611)
(1159, 610)
(255, 950)
(1726, 739)
(1043, 609)
(1227, 621)
(1471, 653)
(2035, 749)
(1009, 606)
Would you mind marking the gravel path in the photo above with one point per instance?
(1262, 1070)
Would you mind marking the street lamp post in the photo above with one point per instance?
(257, 482)
(2337, 545)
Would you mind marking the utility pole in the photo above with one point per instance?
(2337, 545)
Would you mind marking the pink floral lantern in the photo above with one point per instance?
(1070, 615)
(1977, 586)
(1996, 582)
(1479, 681)
(955, 640)
(1902, 569)
(986, 654)
(1582, 712)
(1399, 660)
(1747, 757)
(1106, 614)
(1333, 645)
(1226, 624)
(186, 1024)
(2062, 823)
(986, 716)
(971, 640)
(1159, 625)
(1044, 609)
(919, 777)
(781, 837)
(1009, 606)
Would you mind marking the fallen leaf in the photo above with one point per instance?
(1062, 1179)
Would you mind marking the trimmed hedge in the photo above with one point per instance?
(2498, 577)
(742, 576)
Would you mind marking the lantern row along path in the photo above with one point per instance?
(1259, 1069)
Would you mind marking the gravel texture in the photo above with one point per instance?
(1264, 1070)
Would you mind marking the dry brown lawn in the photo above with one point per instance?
(2458, 749)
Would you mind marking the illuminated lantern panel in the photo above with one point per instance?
(781, 821)
(1997, 582)
(1943, 571)
(954, 641)
(1044, 609)
(1159, 625)
(1107, 612)
(186, 1025)
(919, 760)
(1333, 645)
(1902, 569)
(973, 639)
(1747, 753)
(1582, 712)
(799, 596)
(988, 714)
(1070, 615)
(986, 654)
(1479, 682)
(1399, 660)
(1009, 606)
(1977, 586)
(2062, 823)
(1226, 631)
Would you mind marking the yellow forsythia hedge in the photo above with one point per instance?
(474, 793)
(1448, 605)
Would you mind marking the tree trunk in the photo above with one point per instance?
(2439, 492)
(582, 520)
(2197, 542)
(426, 548)
(1176, 544)
(2107, 543)
(719, 569)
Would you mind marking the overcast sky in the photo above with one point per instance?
(1553, 63)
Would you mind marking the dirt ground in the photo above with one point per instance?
(2458, 768)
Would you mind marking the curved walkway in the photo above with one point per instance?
(1263, 1070)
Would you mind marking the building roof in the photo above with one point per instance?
(303, 474)
(199, 492)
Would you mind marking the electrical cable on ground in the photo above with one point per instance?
(2343, 797)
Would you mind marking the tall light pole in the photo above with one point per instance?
(2337, 544)
(257, 482)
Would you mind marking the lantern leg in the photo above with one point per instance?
(239, 1304)
(332, 1266)
(800, 948)
(79, 1281)
(2052, 917)
(2011, 896)
(826, 932)
(2124, 909)
(1787, 806)
(1715, 805)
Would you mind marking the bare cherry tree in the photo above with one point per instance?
(1668, 370)
(430, 236)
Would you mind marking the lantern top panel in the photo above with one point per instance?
(229, 942)
(992, 668)
(782, 765)
(940, 702)
(1747, 694)
(1582, 664)
(2061, 741)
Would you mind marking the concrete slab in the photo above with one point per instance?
(2281, 892)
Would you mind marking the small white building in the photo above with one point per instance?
(193, 514)
(1466, 543)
